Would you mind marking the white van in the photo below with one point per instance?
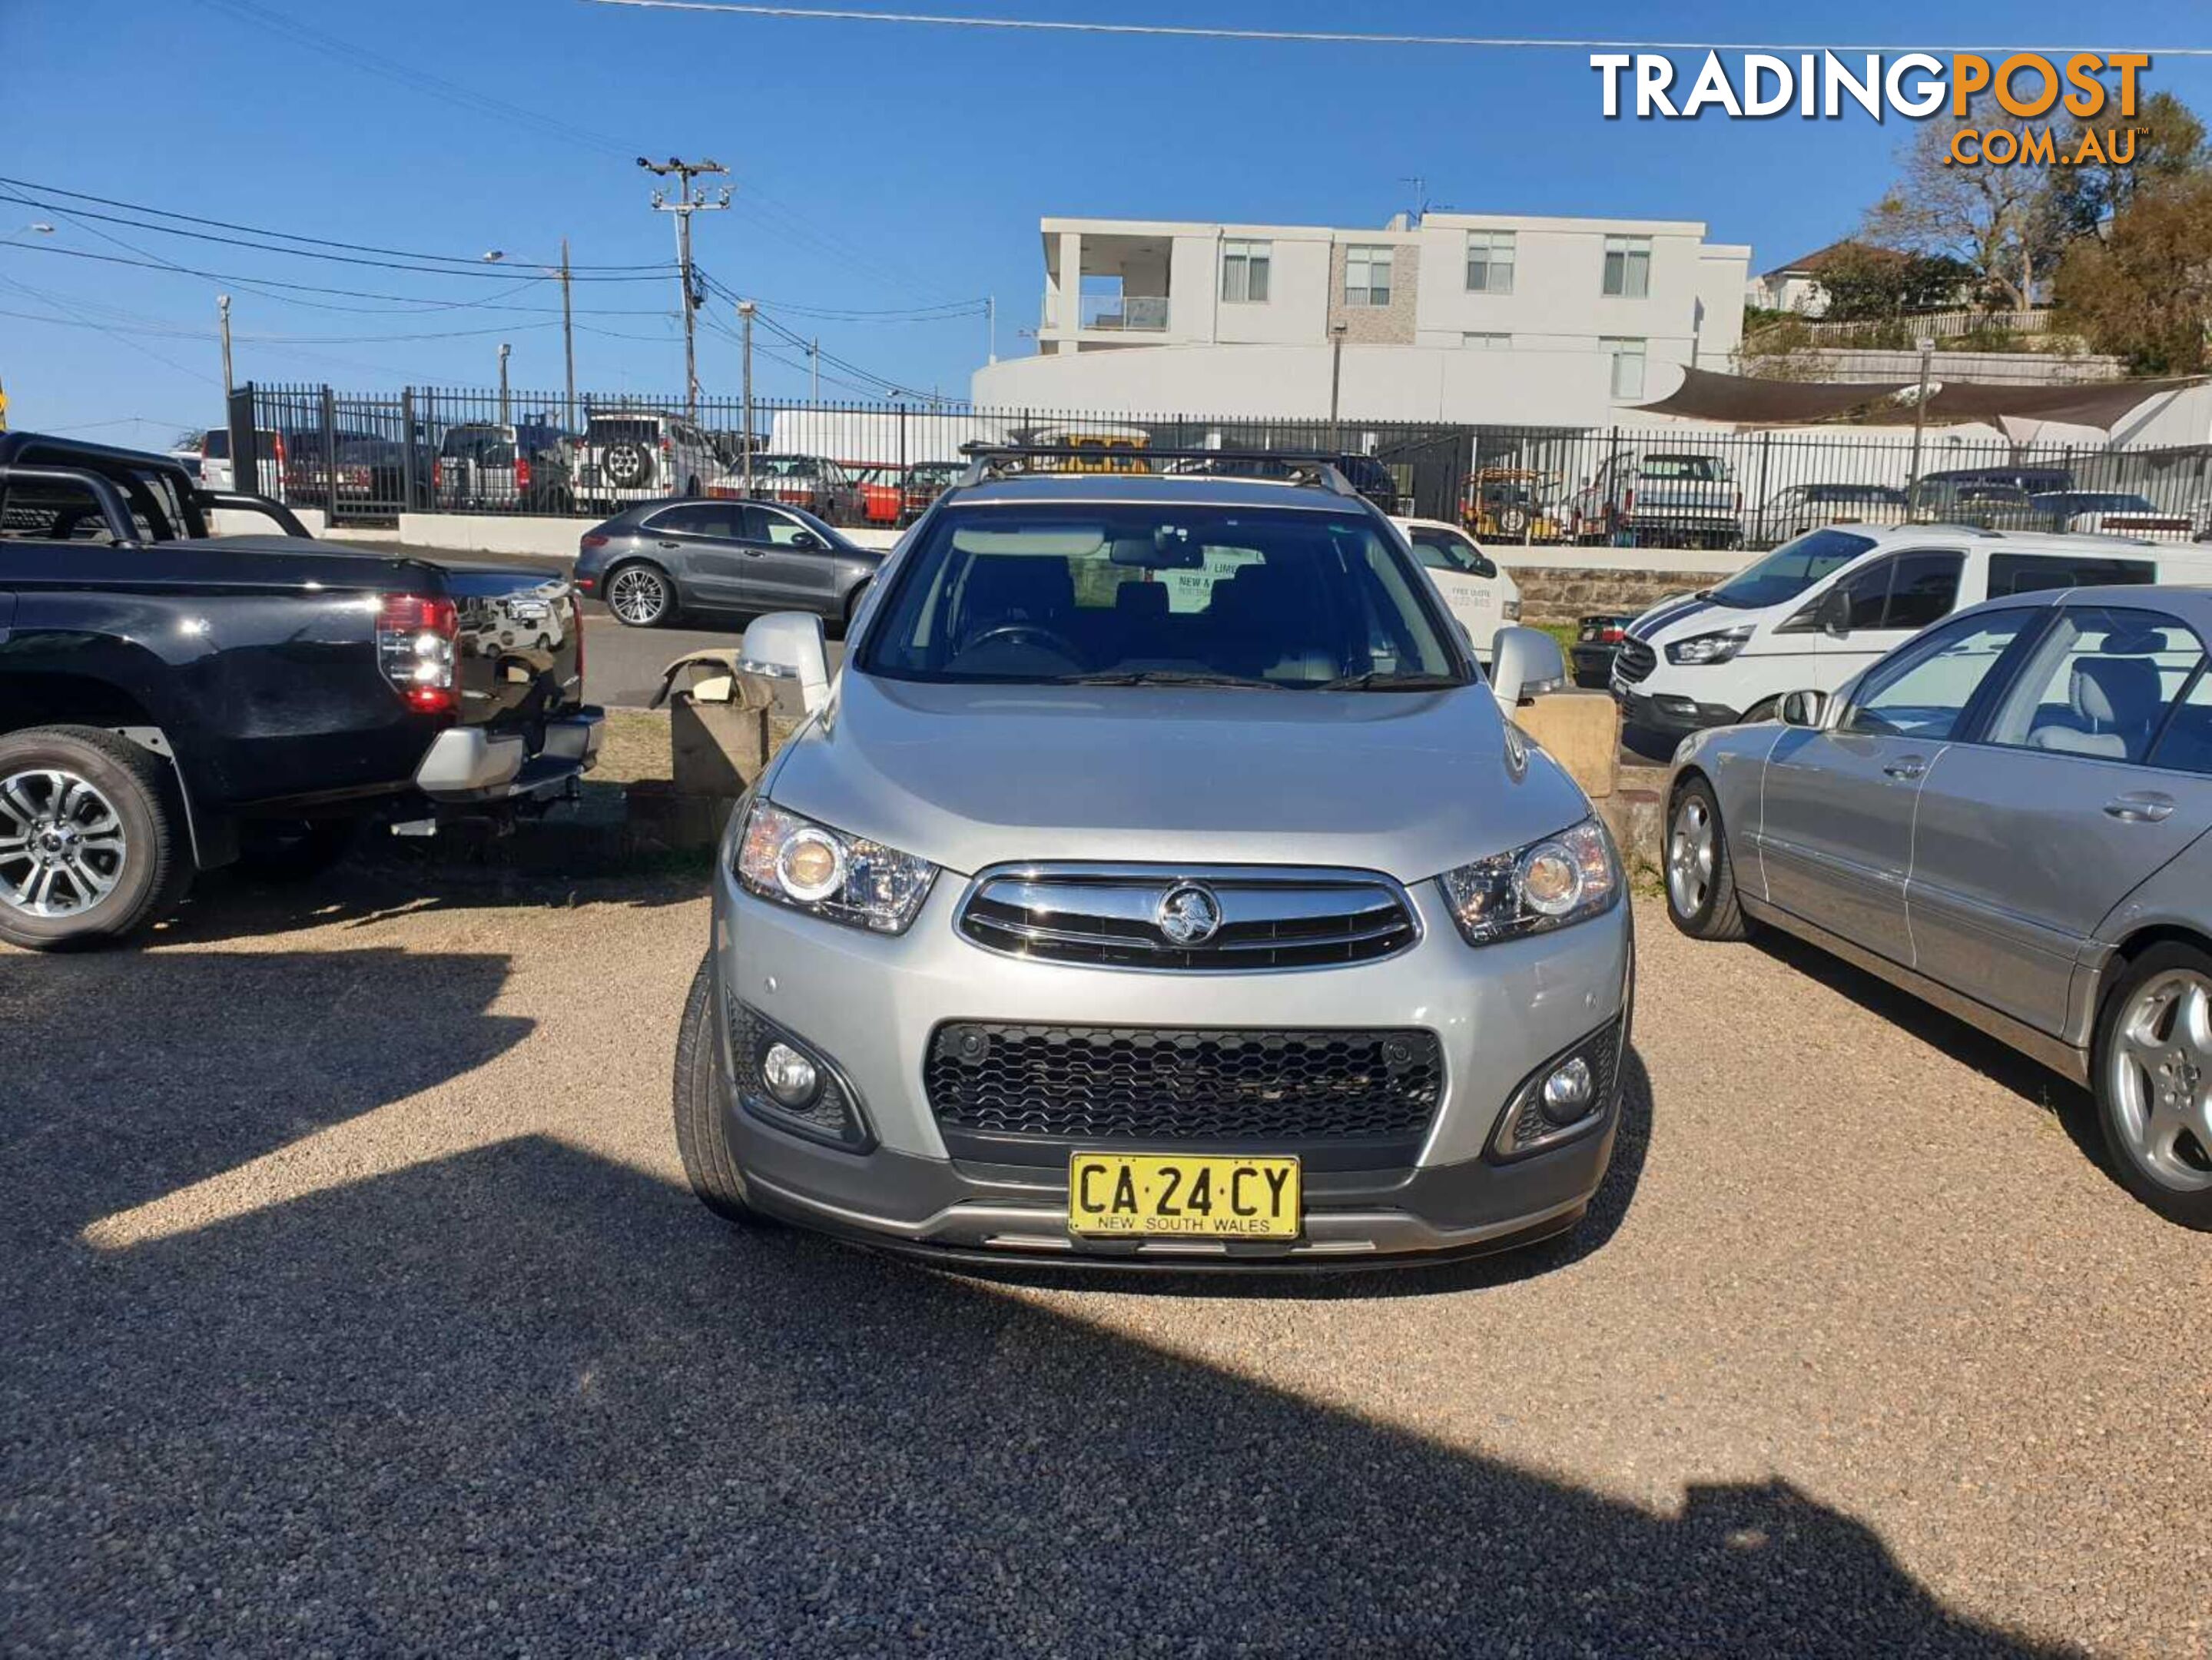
(1817, 609)
(1483, 598)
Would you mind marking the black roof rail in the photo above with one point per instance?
(1312, 468)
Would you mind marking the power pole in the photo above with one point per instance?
(222, 311)
(504, 349)
(688, 200)
(1927, 346)
(745, 309)
(1335, 383)
(814, 368)
(568, 335)
(991, 310)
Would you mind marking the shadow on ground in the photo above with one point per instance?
(523, 1399)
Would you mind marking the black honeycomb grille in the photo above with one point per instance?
(1142, 1083)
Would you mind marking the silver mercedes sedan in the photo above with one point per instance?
(2006, 817)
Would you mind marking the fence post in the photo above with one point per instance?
(1766, 441)
(902, 447)
(329, 458)
(408, 467)
(244, 448)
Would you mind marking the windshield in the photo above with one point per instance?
(1071, 593)
(1445, 550)
(786, 466)
(1706, 469)
(487, 445)
(1789, 569)
(622, 430)
(2095, 501)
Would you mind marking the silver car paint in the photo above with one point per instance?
(2035, 884)
(1411, 784)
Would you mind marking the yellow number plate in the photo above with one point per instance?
(1149, 1194)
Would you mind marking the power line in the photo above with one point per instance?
(1316, 37)
(472, 260)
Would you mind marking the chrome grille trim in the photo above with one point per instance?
(1273, 917)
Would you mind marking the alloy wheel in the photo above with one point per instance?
(1690, 852)
(638, 596)
(61, 845)
(2159, 1077)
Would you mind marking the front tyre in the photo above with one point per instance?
(2153, 1081)
(702, 1090)
(1701, 895)
(91, 849)
(641, 596)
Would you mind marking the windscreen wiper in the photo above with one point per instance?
(1387, 680)
(1170, 678)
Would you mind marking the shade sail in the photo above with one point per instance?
(1706, 396)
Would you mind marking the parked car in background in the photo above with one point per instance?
(1597, 643)
(366, 472)
(485, 466)
(1659, 498)
(2029, 480)
(1481, 598)
(1820, 608)
(1801, 507)
(218, 474)
(924, 483)
(170, 704)
(653, 562)
(1163, 889)
(2008, 817)
(637, 455)
(2112, 512)
(820, 486)
(1366, 475)
(1988, 504)
(882, 495)
(1508, 504)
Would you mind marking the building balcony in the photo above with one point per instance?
(1114, 313)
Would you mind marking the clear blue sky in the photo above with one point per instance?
(875, 166)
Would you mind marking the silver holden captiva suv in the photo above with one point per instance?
(1158, 884)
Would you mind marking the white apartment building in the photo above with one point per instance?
(1464, 317)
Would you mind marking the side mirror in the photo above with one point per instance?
(1834, 616)
(786, 645)
(1525, 662)
(1803, 708)
(809, 541)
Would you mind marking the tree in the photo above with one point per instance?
(2169, 143)
(1996, 221)
(1873, 285)
(2144, 292)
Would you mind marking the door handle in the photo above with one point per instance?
(671, 544)
(2142, 807)
(1911, 767)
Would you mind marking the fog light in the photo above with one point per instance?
(789, 1075)
(1567, 1093)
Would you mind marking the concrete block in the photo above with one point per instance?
(1580, 730)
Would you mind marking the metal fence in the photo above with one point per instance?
(366, 459)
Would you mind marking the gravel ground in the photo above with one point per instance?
(351, 1303)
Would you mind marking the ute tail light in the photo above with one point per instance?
(416, 635)
(437, 475)
(1611, 636)
(594, 540)
(522, 472)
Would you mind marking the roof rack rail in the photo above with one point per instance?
(1312, 468)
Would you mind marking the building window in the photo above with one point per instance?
(1628, 266)
(1487, 342)
(1244, 270)
(1627, 366)
(1367, 276)
(1490, 262)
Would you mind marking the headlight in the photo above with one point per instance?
(825, 872)
(1710, 648)
(1546, 885)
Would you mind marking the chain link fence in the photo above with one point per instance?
(365, 459)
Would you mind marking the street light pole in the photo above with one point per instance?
(567, 337)
(1919, 424)
(745, 309)
(1335, 385)
(222, 311)
(503, 349)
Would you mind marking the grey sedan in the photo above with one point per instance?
(2006, 816)
(663, 558)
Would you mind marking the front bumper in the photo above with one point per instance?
(467, 765)
(869, 1005)
(1669, 713)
